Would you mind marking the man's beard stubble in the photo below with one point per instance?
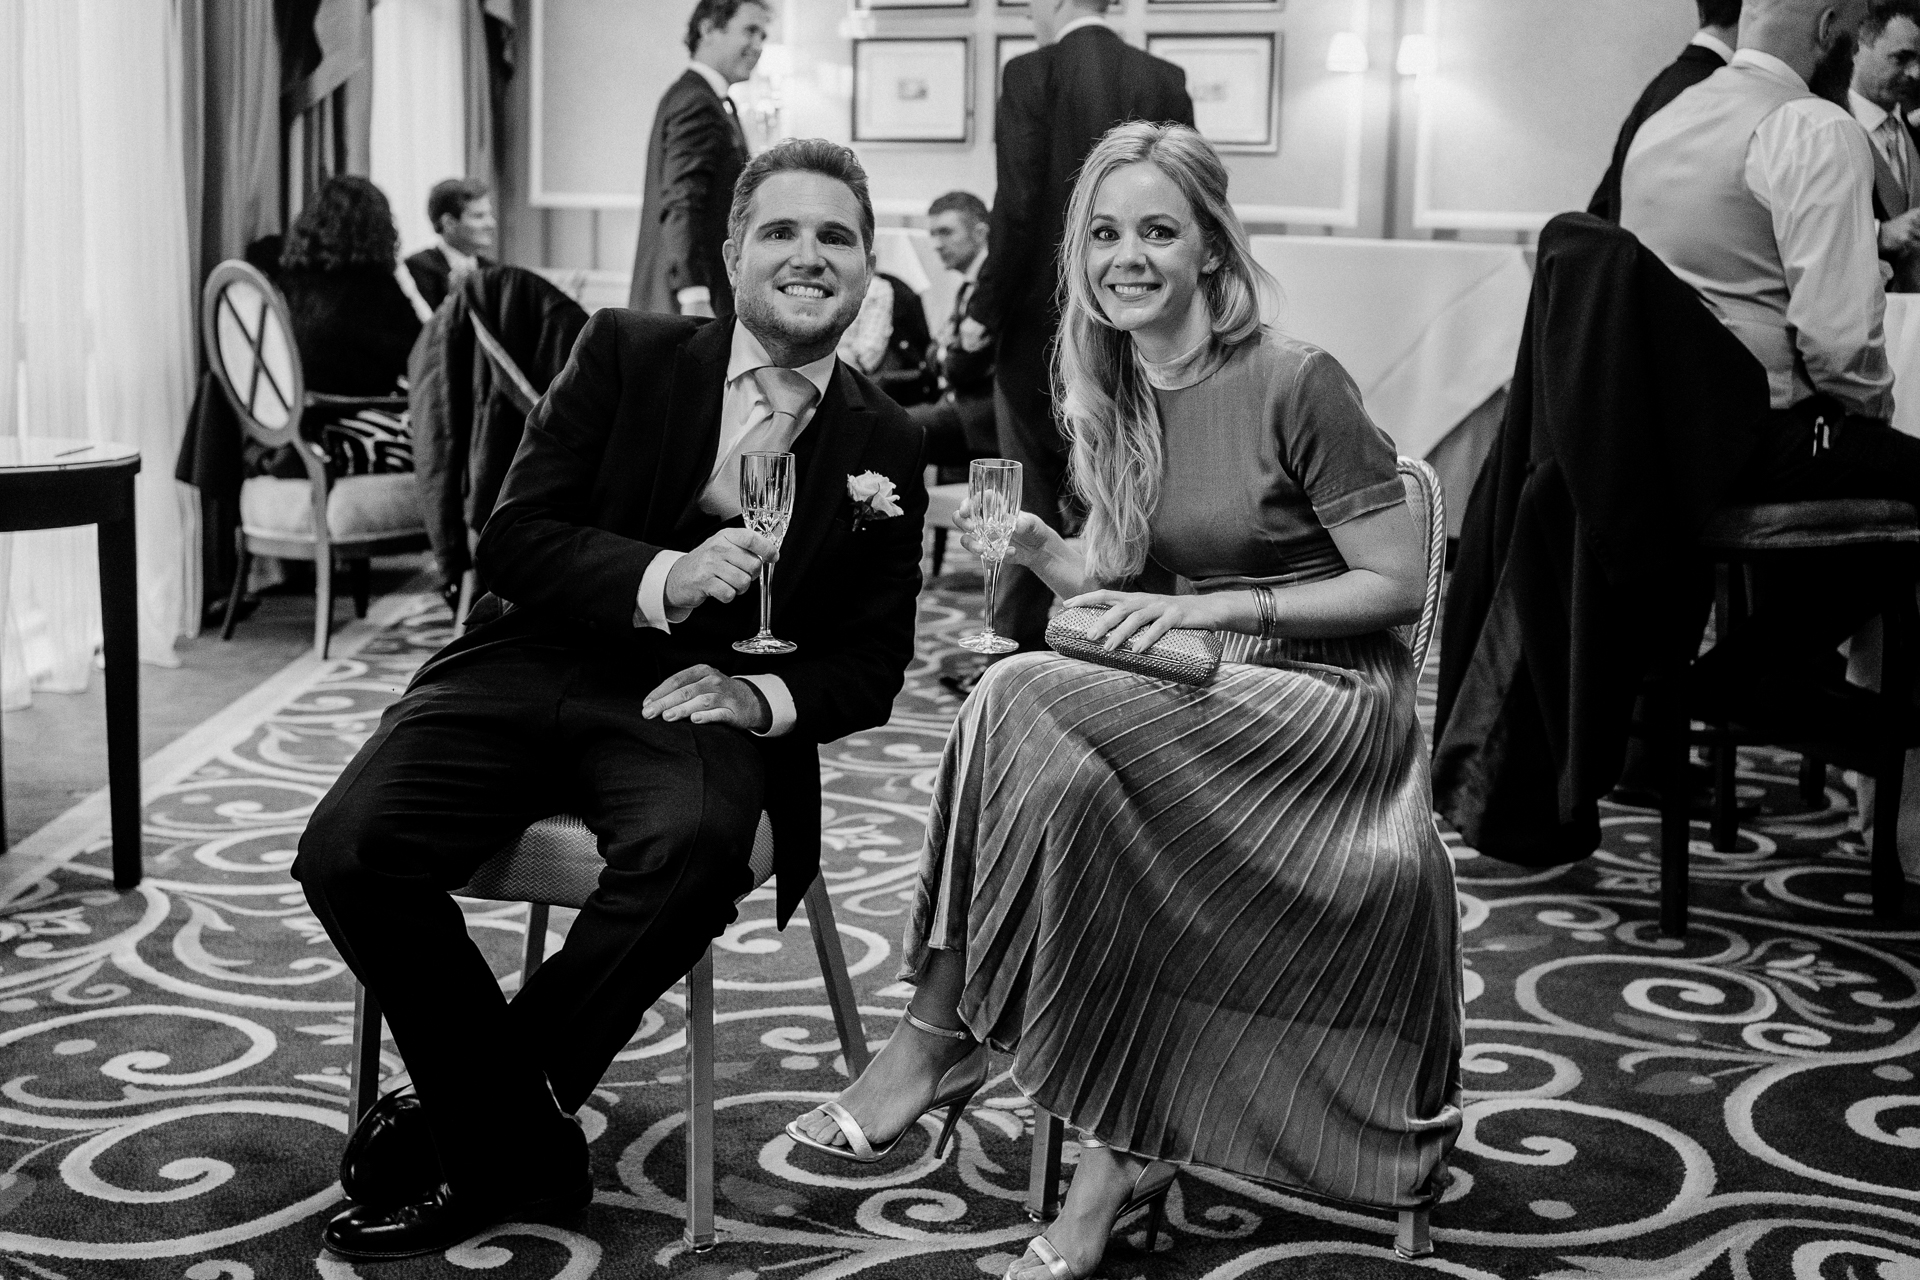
(766, 324)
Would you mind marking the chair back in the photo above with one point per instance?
(249, 339)
(1424, 500)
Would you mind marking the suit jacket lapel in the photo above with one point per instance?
(690, 428)
(1893, 196)
(838, 435)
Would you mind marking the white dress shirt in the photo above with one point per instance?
(699, 292)
(1707, 40)
(743, 407)
(1091, 20)
(1811, 167)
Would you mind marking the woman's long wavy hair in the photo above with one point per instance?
(348, 223)
(1109, 411)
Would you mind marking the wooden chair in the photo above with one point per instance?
(1412, 1238)
(557, 863)
(323, 519)
(1737, 539)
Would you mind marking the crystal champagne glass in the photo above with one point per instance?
(766, 501)
(993, 492)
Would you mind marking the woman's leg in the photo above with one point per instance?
(1103, 1181)
(904, 1077)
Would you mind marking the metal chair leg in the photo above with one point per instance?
(322, 601)
(536, 948)
(939, 551)
(360, 576)
(1725, 826)
(1043, 1174)
(1412, 1239)
(700, 1234)
(1887, 876)
(833, 967)
(365, 1088)
(1813, 781)
(1667, 745)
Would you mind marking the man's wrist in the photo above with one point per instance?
(762, 719)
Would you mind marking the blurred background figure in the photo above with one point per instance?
(1886, 86)
(888, 339)
(1710, 49)
(697, 152)
(461, 210)
(959, 419)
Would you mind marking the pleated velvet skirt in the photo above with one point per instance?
(1212, 925)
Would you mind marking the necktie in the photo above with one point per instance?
(733, 118)
(1894, 137)
(787, 394)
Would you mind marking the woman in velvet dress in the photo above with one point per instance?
(1215, 925)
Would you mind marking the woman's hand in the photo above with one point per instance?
(1139, 618)
(1033, 544)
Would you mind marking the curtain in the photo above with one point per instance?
(419, 126)
(104, 299)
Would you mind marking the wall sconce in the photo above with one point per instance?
(1417, 56)
(1347, 54)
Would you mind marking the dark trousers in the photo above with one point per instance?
(1804, 608)
(473, 753)
(1030, 435)
(959, 429)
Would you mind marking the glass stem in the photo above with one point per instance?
(993, 589)
(766, 599)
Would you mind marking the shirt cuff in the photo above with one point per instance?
(691, 294)
(650, 605)
(779, 701)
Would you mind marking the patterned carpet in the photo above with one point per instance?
(173, 1060)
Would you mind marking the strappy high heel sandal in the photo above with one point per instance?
(956, 1089)
(1148, 1195)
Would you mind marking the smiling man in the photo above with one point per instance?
(609, 688)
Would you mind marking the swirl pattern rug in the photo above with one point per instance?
(174, 1059)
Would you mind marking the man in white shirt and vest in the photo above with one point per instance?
(1757, 191)
(1886, 85)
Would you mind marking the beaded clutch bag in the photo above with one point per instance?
(1185, 655)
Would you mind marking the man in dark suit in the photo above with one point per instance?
(461, 210)
(1710, 49)
(1886, 86)
(959, 420)
(1055, 103)
(610, 688)
(697, 152)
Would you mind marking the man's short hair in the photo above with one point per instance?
(961, 202)
(717, 14)
(801, 155)
(452, 196)
(1718, 13)
(1881, 12)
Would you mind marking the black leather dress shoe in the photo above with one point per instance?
(390, 1160)
(442, 1219)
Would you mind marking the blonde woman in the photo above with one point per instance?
(1213, 926)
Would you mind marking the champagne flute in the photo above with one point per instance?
(993, 491)
(766, 501)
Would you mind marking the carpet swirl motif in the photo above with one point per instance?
(1744, 1104)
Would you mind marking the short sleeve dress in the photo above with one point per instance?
(1297, 1016)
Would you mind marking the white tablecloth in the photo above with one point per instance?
(1903, 353)
(1428, 329)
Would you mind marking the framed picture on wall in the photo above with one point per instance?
(1113, 6)
(1234, 81)
(913, 4)
(907, 90)
(1273, 6)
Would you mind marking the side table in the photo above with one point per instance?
(56, 484)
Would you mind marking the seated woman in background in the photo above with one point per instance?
(1217, 925)
(353, 325)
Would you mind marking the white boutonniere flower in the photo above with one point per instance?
(872, 496)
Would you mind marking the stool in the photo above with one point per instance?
(557, 863)
(1736, 539)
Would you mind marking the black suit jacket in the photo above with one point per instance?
(432, 274)
(695, 157)
(612, 461)
(1631, 416)
(1695, 63)
(1055, 103)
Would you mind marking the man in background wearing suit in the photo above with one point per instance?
(1710, 49)
(959, 422)
(696, 154)
(610, 689)
(1886, 86)
(461, 210)
(1055, 103)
